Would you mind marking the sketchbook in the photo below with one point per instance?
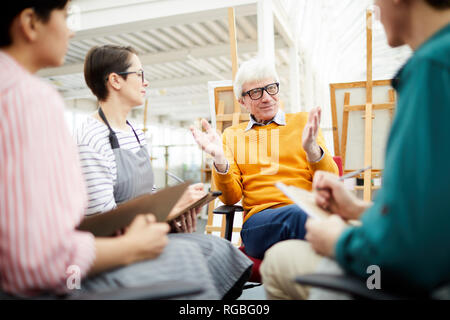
(304, 199)
(159, 204)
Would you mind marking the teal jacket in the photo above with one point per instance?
(407, 230)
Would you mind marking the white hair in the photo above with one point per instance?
(253, 70)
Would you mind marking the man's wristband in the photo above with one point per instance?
(321, 156)
(226, 169)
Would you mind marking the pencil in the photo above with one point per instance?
(349, 175)
(354, 173)
(175, 177)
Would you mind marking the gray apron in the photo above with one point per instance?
(207, 259)
(134, 170)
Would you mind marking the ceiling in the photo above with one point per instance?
(185, 44)
(179, 54)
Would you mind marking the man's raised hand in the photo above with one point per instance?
(210, 142)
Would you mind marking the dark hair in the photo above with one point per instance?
(439, 4)
(12, 9)
(100, 62)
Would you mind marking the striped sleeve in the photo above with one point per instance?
(99, 178)
(42, 193)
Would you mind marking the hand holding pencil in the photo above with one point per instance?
(332, 195)
(351, 174)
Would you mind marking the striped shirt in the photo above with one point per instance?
(98, 162)
(42, 193)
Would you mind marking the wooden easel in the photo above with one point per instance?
(145, 129)
(369, 112)
(221, 117)
(369, 107)
(145, 116)
(341, 147)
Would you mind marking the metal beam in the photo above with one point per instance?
(294, 80)
(170, 56)
(283, 24)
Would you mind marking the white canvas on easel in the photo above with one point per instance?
(353, 157)
(212, 85)
(222, 91)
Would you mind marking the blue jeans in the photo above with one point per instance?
(267, 227)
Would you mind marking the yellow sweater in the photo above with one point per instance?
(263, 156)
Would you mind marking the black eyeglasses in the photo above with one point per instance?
(139, 73)
(257, 93)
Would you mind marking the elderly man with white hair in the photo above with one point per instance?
(273, 146)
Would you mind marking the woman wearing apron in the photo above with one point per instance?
(116, 167)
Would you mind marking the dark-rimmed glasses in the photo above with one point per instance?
(139, 73)
(257, 93)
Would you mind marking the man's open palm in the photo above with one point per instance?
(210, 141)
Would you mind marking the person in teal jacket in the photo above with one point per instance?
(406, 230)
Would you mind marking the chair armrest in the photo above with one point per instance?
(346, 284)
(229, 212)
(228, 209)
(441, 293)
(160, 291)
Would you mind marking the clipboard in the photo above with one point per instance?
(159, 203)
(304, 199)
(210, 196)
